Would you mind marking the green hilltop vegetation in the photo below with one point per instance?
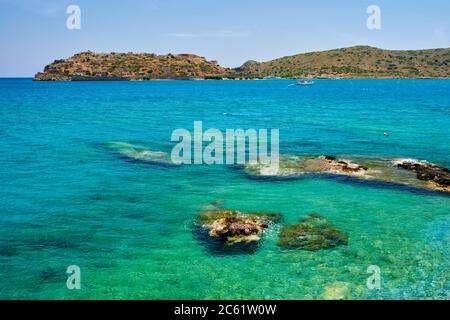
(353, 62)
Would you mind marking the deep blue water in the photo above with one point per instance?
(67, 200)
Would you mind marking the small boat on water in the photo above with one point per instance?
(305, 83)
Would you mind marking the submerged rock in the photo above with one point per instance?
(216, 204)
(52, 274)
(8, 251)
(337, 291)
(438, 177)
(232, 226)
(139, 153)
(314, 232)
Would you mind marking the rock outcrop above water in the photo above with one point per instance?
(341, 166)
(291, 166)
(418, 174)
(233, 226)
(438, 177)
(313, 233)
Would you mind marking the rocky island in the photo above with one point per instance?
(353, 62)
(131, 66)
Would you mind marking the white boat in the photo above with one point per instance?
(305, 83)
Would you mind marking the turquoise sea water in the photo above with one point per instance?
(67, 200)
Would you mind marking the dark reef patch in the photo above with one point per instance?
(313, 233)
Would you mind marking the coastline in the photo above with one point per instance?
(226, 79)
(358, 62)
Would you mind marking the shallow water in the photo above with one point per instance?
(66, 199)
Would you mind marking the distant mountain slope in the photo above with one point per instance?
(130, 66)
(355, 62)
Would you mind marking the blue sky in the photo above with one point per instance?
(33, 32)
